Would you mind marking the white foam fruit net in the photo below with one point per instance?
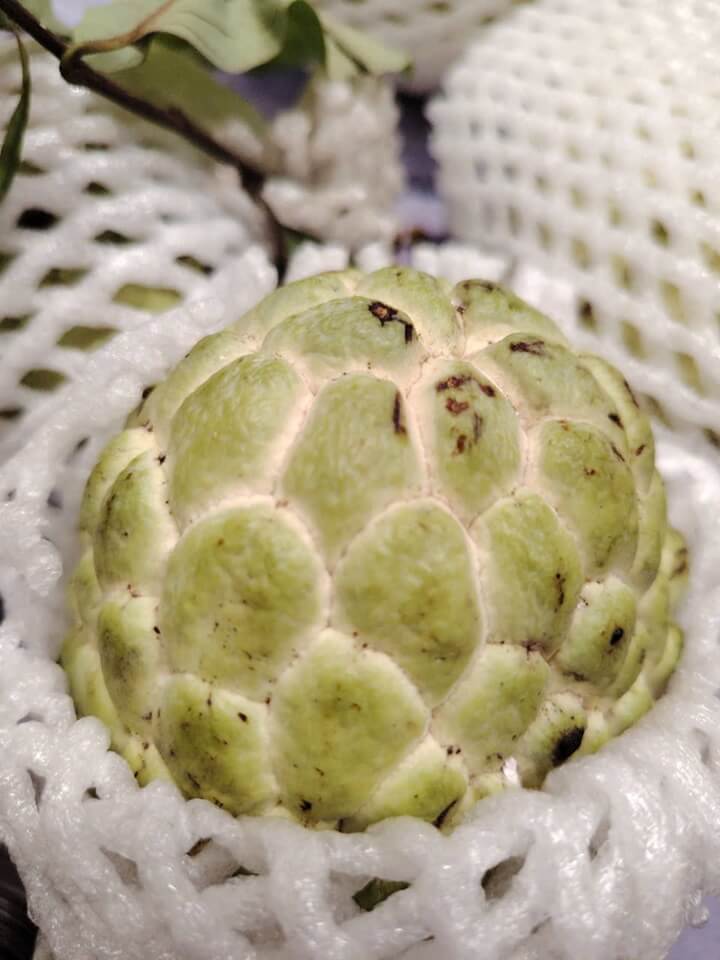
(108, 221)
(340, 174)
(583, 137)
(606, 863)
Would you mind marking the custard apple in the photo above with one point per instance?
(383, 546)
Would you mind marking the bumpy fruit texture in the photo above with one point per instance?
(366, 546)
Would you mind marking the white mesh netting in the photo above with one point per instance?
(103, 226)
(608, 861)
(583, 137)
(432, 32)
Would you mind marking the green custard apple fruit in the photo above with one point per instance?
(383, 546)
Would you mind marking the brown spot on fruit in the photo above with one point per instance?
(536, 347)
(566, 746)
(398, 425)
(560, 587)
(305, 806)
(455, 407)
(632, 395)
(617, 453)
(387, 314)
(477, 427)
(617, 635)
(640, 449)
(443, 815)
(453, 383)
(487, 389)
(382, 311)
(615, 419)
(460, 443)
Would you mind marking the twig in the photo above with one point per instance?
(76, 71)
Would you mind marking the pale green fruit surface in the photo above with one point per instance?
(367, 546)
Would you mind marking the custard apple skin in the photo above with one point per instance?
(366, 546)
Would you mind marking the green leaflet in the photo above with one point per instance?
(368, 54)
(12, 144)
(232, 35)
(304, 40)
(173, 75)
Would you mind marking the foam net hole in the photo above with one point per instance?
(150, 299)
(497, 881)
(36, 218)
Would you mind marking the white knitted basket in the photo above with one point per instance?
(583, 137)
(611, 858)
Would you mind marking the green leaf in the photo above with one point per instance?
(11, 149)
(304, 40)
(174, 76)
(338, 66)
(368, 54)
(234, 35)
(376, 891)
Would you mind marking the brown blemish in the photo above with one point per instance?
(161, 459)
(305, 806)
(567, 745)
(640, 449)
(460, 443)
(443, 815)
(632, 395)
(617, 453)
(243, 716)
(589, 471)
(398, 425)
(682, 566)
(617, 635)
(536, 347)
(156, 630)
(453, 383)
(193, 780)
(487, 285)
(455, 407)
(560, 586)
(487, 389)
(386, 314)
(477, 427)
(615, 419)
